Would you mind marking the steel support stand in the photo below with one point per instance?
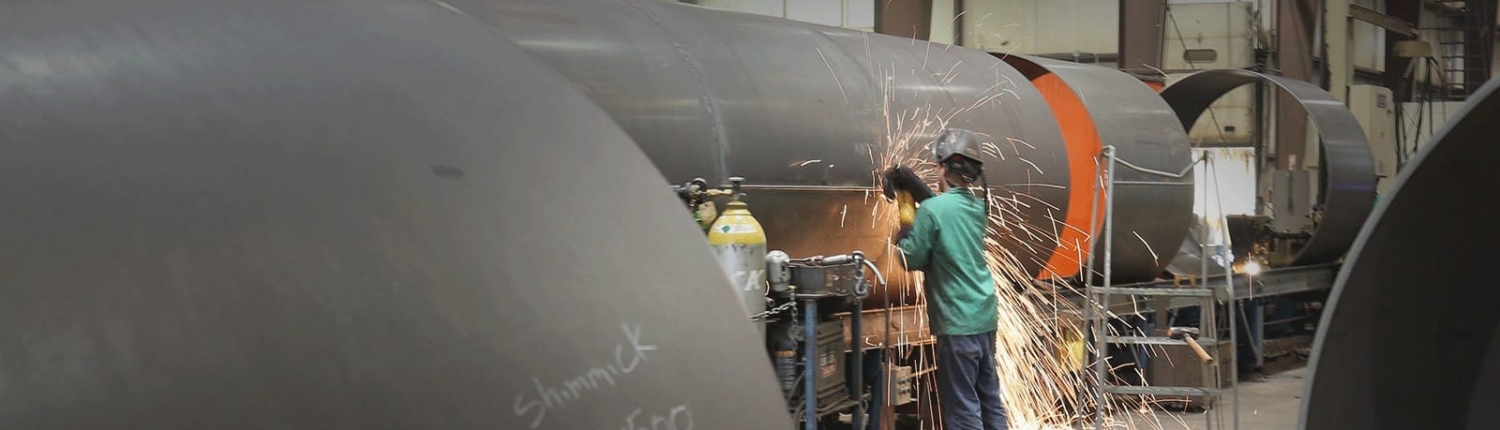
(1259, 325)
(1101, 347)
(810, 364)
(1207, 321)
(1234, 345)
(856, 331)
(1090, 313)
(1226, 258)
(1099, 303)
(881, 391)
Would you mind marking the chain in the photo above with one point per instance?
(788, 306)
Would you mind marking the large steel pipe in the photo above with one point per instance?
(369, 214)
(1154, 202)
(807, 113)
(1348, 165)
(1411, 337)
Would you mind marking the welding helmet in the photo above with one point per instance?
(958, 151)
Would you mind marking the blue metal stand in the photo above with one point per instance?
(810, 363)
(877, 397)
(857, 390)
(1256, 329)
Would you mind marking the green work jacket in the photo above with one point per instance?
(946, 243)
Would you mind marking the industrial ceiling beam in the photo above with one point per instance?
(1396, 65)
(1390, 23)
(1141, 35)
(905, 18)
(1296, 22)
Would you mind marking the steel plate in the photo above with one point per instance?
(1411, 336)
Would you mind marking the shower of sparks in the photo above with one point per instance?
(1041, 348)
(982, 18)
(1033, 165)
(835, 75)
(805, 163)
(1014, 141)
(950, 71)
(1148, 245)
(926, 52)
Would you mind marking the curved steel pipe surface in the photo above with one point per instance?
(1411, 337)
(1099, 106)
(367, 214)
(806, 113)
(1349, 166)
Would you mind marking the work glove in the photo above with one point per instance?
(905, 188)
(906, 209)
(901, 234)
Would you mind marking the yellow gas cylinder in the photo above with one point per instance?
(740, 246)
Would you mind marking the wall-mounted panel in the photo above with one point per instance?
(1367, 44)
(1202, 36)
(1046, 27)
(1375, 109)
(1208, 36)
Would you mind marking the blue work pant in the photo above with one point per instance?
(968, 383)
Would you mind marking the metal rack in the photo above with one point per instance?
(1099, 310)
(1466, 48)
(803, 283)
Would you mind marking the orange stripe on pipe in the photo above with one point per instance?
(1082, 141)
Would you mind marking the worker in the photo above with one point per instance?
(946, 243)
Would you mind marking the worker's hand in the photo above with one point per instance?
(906, 209)
(888, 185)
(900, 234)
(902, 178)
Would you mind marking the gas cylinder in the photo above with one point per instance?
(739, 244)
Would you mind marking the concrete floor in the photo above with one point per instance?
(1269, 404)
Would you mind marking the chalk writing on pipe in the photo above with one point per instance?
(555, 395)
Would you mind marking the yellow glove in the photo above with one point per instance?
(906, 208)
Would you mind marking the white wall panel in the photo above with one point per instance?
(1042, 26)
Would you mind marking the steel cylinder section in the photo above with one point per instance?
(1153, 206)
(339, 215)
(1411, 336)
(1348, 164)
(807, 114)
